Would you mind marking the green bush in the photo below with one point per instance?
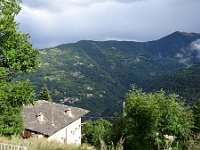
(96, 131)
(155, 121)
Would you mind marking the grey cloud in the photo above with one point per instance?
(46, 3)
(62, 21)
(184, 56)
(58, 6)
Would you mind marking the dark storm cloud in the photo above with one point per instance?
(52, 22)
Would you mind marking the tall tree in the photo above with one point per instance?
(16, 57)
(45, 94)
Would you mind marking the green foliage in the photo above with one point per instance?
(16, 57)
(45, 95)
(119, 145)
(11, 121)
(184, 82)
(72, 75)
(12, 98)
(152, 119)
(193, 142)
(96, 131)
(196, 112)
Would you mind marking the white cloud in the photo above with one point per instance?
(52, 22)
(195, 46)
(191, 52)
(182, 59)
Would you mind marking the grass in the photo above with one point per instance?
(194, 142)
(35, 143)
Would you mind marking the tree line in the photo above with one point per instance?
(151, 121)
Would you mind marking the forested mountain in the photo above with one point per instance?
(185, 82)
(96, 74)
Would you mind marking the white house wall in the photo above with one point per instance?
(74, 132)
(70, 134)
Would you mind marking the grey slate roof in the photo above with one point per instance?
(55, 117)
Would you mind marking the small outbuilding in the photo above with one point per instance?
(53, 121)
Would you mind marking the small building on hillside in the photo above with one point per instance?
(53, 121)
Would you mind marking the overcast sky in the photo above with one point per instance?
(53, 22)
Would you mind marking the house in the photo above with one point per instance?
(53, 121)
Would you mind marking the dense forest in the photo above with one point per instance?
(184, 82)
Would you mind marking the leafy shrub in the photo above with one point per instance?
(96, 131)
(152, 119)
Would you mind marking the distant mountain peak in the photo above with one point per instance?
(178, 36)
(184, 33)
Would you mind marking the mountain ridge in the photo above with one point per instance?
(96, 74)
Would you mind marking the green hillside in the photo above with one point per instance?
(72, 77)
(185, 82)
(95, 75)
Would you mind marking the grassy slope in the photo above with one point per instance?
(42, 144)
